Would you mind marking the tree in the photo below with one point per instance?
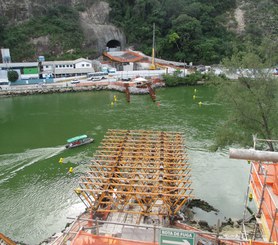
(12, 76)
(252, 99)
(3, 23)
(173, 37)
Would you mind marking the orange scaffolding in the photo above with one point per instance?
(263, 182)
(138, 172)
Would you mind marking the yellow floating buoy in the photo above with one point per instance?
(61, 160)
(195, 90)
(250, 197)
(70, 169)
(115, 98)
(112, 103)
(194, 97)
(200, 103)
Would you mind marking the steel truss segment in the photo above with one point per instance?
(99, 172)
(134, 192)
(148, 187)
(146, 169)
(139, 167)
(101, 179)
(113, 157)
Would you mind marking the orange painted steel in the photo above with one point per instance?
(151, 91)
(5, 240)
(214, 240)
(138, 172)
(128, 56)
(265, 197)
(275, 181)
(127, 92)
(83, 238)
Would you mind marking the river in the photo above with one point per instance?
(36, 190)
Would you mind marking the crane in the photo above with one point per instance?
(153, 66)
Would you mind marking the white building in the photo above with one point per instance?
(67, 68)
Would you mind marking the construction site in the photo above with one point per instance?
(138, 185)
(139, 181)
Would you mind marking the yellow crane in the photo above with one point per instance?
(153, 66)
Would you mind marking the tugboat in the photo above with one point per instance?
(78, 141)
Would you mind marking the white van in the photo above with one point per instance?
(112, 70)
(4, 85)
(95, 79)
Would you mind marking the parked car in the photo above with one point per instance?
(75, 81)
(4, 85)
(126, 79)
(96, 78)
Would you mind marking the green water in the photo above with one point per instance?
(36, 190)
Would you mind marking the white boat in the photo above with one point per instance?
(78, 141)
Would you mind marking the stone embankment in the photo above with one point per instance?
(72, 89)
(50, 90)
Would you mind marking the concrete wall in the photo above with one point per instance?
(32, 81)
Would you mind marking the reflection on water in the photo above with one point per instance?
(37, 191)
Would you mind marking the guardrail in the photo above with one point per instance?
(268, 208)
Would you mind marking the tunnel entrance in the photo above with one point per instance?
(113, 45)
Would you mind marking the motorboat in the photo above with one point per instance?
(78, 141)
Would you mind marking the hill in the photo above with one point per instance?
(198, 31)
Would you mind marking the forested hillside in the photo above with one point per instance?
(201, 31)
(56, 30)
(198, 31)
(186, 30)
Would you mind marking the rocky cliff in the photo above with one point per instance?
(93, 18)
(17, 11)
(97, 29)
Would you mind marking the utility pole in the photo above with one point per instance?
(152, 67)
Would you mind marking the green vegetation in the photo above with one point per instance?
(12, 76)
(198, 31)
(177, 79)
(3, 23)
(56, 35)
(261, 19)
(252, 98)
(186, 30)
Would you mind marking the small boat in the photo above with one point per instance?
(78, 141)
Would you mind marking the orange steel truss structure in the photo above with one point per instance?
(138, 172)
(263, 183)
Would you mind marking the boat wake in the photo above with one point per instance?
(10, 164)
